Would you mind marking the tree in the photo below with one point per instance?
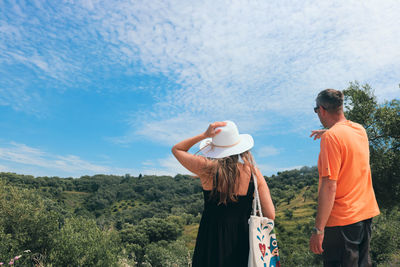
(385, 243)
(290, 194)
(150, 230)
(382, 123)
(135, 241)
(289, 213)
(27, 222)
(164, 254)
(308, 194)
(80, 242)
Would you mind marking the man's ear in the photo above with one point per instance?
(322, 111)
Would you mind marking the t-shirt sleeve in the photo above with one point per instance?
(330, 157)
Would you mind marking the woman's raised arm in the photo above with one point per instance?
(195, 164)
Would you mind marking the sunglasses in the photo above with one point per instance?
(317, 107)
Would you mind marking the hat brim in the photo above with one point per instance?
(246, 142)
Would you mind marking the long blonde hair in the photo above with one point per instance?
(225, 185)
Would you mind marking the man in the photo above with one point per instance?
(346, 199)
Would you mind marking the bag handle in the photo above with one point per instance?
(256, 199)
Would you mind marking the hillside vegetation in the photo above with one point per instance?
(136, 216)
(130, 220)
(108, 220)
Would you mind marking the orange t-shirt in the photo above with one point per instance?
(344, 157)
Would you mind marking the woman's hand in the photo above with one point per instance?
(212, 131)
(195, 164)
(317, 134)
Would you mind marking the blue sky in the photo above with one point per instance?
(92, 87)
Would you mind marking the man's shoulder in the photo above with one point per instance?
(355, 124)
(345, 130)
(346, 126)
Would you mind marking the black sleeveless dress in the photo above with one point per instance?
(223, 237)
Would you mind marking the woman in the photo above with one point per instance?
(226, 172)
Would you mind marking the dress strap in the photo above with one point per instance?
(250, 189)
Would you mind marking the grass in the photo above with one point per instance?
(189, 235)
(73, 199)
(303, 211)
(123, 205)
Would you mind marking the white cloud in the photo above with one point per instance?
(4, 168)
(267, 151)
(43, 49)
(257, 62)
(19, 98)
(164, 166)
(168, 131)
(172, 164)
(26, 159)
(254, 58)
(148, 163)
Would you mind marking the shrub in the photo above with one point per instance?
(80, 242)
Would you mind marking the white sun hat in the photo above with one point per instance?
(226, 143)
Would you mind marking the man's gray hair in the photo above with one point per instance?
(331, 100)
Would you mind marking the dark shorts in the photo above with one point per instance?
(347, 245)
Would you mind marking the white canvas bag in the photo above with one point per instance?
(263, 244)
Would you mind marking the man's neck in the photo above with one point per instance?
(336, 119)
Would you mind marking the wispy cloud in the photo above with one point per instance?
(167, 131)
(164, 166)
(254, 62)
(46, 47)
(39, 162)
(4, 168)
(267, 151)
(236, 57)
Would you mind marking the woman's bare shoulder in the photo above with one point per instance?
(208, 169)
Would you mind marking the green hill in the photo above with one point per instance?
(131, 220)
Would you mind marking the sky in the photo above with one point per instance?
(108, 87)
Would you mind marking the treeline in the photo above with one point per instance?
(136, 213)
(110, 220)
(121, 199)
(57, 223)
(98, 220)
(382, 123)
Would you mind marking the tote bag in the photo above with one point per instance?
(263, 244)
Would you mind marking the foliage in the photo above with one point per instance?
(158, 240)
(289, 214)
(168, 254)
(101, 196)
(138, 237)
(80, 242)
(27, 221)
(382, 123)
(385, 241)
(295, 206)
